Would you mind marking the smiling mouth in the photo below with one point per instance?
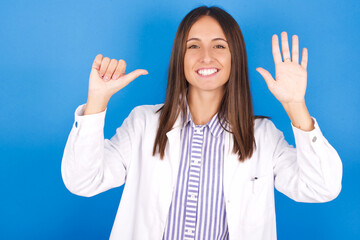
(207, 72)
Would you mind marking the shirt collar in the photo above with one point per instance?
(214, 125)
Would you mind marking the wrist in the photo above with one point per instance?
(95, 105)
(299, 115)
(294, 105)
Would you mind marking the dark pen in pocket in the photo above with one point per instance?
(253, 179)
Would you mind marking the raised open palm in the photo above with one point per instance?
(289, 85)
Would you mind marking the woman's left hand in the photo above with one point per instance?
(289, 85)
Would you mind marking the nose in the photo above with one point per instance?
(206, 55)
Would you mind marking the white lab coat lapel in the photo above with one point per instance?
(172, 150)
(170, 165)
(236, 174)
(231, 164)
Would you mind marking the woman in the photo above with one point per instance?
(201, 166)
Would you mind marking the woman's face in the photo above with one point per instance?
(207, 61)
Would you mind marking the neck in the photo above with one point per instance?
(203, 105)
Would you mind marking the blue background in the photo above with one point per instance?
(46, 52)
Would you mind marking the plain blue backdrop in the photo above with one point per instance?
(46, 52)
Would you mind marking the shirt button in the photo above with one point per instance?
(314, 139)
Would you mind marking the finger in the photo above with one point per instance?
(110, 70)
(295, 49)
(267, 76)
(304, 58)
(285, 47)
(120, 69)
(97, 62)
(104, 65)
(275, 49)
(125, 80)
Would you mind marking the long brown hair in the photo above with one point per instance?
(236, 105)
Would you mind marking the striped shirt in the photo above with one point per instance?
(197, 210)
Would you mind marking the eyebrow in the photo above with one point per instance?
(198, 39)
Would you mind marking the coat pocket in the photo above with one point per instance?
(260, 201)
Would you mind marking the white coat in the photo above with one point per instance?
(310, 173)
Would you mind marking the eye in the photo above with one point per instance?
(219, 46)
(193, 46)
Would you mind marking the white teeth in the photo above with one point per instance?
(206, 72)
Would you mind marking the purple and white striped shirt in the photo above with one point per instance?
(197, 210)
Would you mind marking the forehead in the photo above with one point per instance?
(206, 27)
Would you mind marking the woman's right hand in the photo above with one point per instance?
(106, 78)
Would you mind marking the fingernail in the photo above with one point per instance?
(106, 78)
(115, 77)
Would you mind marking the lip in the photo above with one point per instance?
(207, 76)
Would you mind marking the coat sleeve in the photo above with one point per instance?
(92, 164)
(312, 171)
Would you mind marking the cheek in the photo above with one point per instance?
(188, 65)
(186, 61)
(227, 64)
